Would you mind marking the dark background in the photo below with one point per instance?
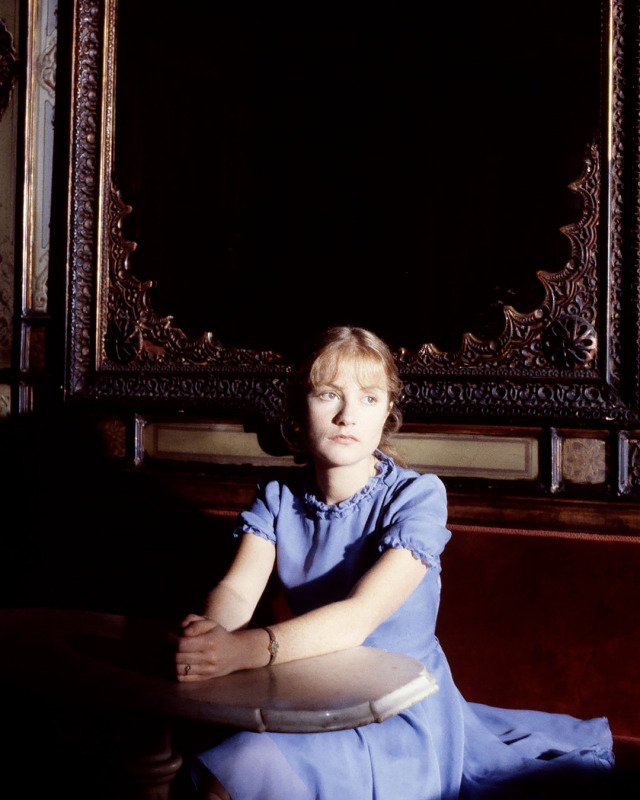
(407, 172)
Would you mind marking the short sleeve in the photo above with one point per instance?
(415, 519)
(260, 517)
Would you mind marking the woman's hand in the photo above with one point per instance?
(207, 650)
(203, 651)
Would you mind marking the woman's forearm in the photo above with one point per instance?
(348, 622)
(228, 608)
(336, 626)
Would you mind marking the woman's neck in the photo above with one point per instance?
(337, 484)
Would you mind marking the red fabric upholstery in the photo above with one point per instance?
(545, 620)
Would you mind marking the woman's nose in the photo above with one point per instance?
(346, 414)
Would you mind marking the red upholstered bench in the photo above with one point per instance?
(547, 620)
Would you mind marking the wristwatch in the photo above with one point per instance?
(273, 646)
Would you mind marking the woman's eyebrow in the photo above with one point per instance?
(372, 389)
(375, 387)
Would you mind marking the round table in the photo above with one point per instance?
(122, 664)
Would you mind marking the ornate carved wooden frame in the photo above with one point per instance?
(576, 356)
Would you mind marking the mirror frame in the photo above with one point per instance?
(574, 358)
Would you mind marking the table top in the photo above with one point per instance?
(113, 662)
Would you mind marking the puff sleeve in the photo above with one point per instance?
(260, 517)
(415, 519)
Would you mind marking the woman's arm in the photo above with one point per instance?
(207, 646)
(233, 601)
(212, 650)
(347, 623)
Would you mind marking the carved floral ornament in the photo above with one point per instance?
(560, 333)
(561, 360)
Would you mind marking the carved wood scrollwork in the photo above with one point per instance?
(136, 334)
(561, 360)
(554, 334)
(560, 333)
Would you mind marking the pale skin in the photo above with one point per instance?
(344, 423)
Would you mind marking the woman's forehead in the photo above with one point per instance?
(367, 371)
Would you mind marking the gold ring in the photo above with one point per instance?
(187, 669)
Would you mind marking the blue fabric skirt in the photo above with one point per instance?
(441, 749)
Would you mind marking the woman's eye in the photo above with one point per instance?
(371, 401)
(328, 395)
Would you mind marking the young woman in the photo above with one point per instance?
(356, 540)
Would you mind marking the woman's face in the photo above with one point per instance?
(346, 414)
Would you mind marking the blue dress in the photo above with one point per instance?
(443, 747)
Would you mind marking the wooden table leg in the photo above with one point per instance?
(149, 763)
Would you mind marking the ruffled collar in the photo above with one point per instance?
(385, 467)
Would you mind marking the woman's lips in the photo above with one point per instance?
(343, 439)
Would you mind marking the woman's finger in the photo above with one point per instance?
(198, 626)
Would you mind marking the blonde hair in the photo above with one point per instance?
(363, 350)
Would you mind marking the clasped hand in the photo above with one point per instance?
(204, 650)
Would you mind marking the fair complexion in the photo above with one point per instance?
(344, 424)
(343, 429)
